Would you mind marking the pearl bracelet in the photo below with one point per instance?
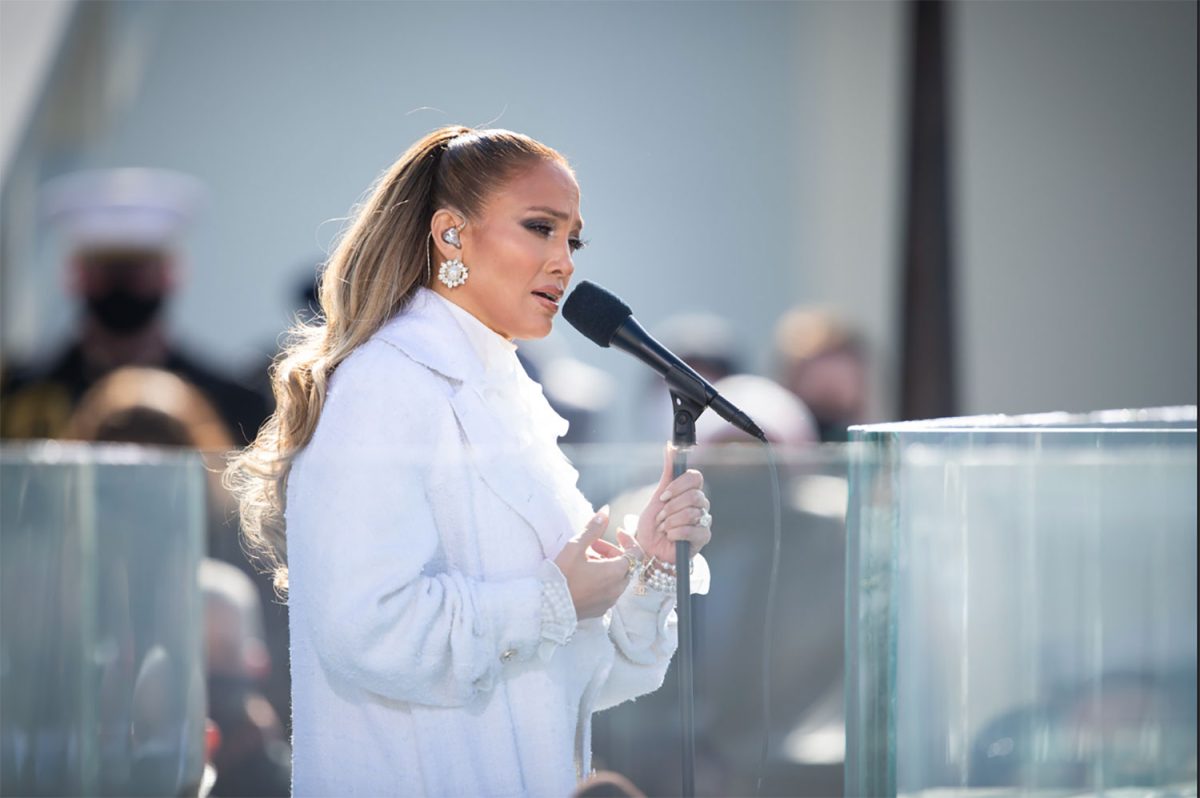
(658, 575)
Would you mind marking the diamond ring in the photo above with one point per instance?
(705, 519)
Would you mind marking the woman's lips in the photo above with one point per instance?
(546, 301)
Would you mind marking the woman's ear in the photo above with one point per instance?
(445, 226)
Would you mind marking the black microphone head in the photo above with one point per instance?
(595, 312)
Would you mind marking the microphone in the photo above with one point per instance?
(607, 321)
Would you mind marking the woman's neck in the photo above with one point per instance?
(461, 300)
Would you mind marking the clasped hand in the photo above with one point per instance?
(598, 571)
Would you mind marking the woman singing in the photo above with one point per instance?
(455, 615)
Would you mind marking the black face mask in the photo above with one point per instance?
(122, 311)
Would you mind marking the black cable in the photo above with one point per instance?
(777, 503)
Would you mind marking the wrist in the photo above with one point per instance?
(657, 575)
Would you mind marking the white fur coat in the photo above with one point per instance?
(418, 522)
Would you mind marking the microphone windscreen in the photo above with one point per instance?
(595, 312)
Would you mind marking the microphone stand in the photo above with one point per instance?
(684, 438)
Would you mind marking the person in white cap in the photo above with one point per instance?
(122, 230)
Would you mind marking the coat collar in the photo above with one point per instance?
(427, 332)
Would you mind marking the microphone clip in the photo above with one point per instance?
(685, 411)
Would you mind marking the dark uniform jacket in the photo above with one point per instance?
(37, 401)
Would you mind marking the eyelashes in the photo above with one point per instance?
(545, 230)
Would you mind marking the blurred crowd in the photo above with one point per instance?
(122, 232)
(123, 376)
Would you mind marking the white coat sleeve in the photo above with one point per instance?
(363, 546)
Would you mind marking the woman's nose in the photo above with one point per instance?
(563, 264)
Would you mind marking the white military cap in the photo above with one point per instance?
(121, 207)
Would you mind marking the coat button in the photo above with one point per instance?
(508, 655)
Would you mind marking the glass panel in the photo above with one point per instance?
(1022, 606)
(101, 618)
(1048, 564)
(101, 668)
(641, 738)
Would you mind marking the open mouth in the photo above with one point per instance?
(548, 296)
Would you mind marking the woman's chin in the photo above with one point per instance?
(535, 331)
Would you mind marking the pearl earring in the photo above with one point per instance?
(452, 273)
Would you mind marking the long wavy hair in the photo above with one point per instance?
(377, 265)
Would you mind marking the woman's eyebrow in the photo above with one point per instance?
(546, 209)
(560, 215)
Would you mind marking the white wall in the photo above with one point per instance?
(738, 157)
(855, 55)
(683, 121)
(1077, 181)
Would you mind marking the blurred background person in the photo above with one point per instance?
(147, 406)
(122, 231)
(151, 696)
(786, 421)
(824, 362)
(152, 407)
(253, 757)
(705, 341)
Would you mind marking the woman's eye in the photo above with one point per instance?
(546, 230)
(541, 228)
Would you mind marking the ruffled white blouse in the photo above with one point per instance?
(535, 428)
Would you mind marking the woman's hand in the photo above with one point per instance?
(595, 581)
(674, 513)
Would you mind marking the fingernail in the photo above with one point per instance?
(661, 515)
(666, 495)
